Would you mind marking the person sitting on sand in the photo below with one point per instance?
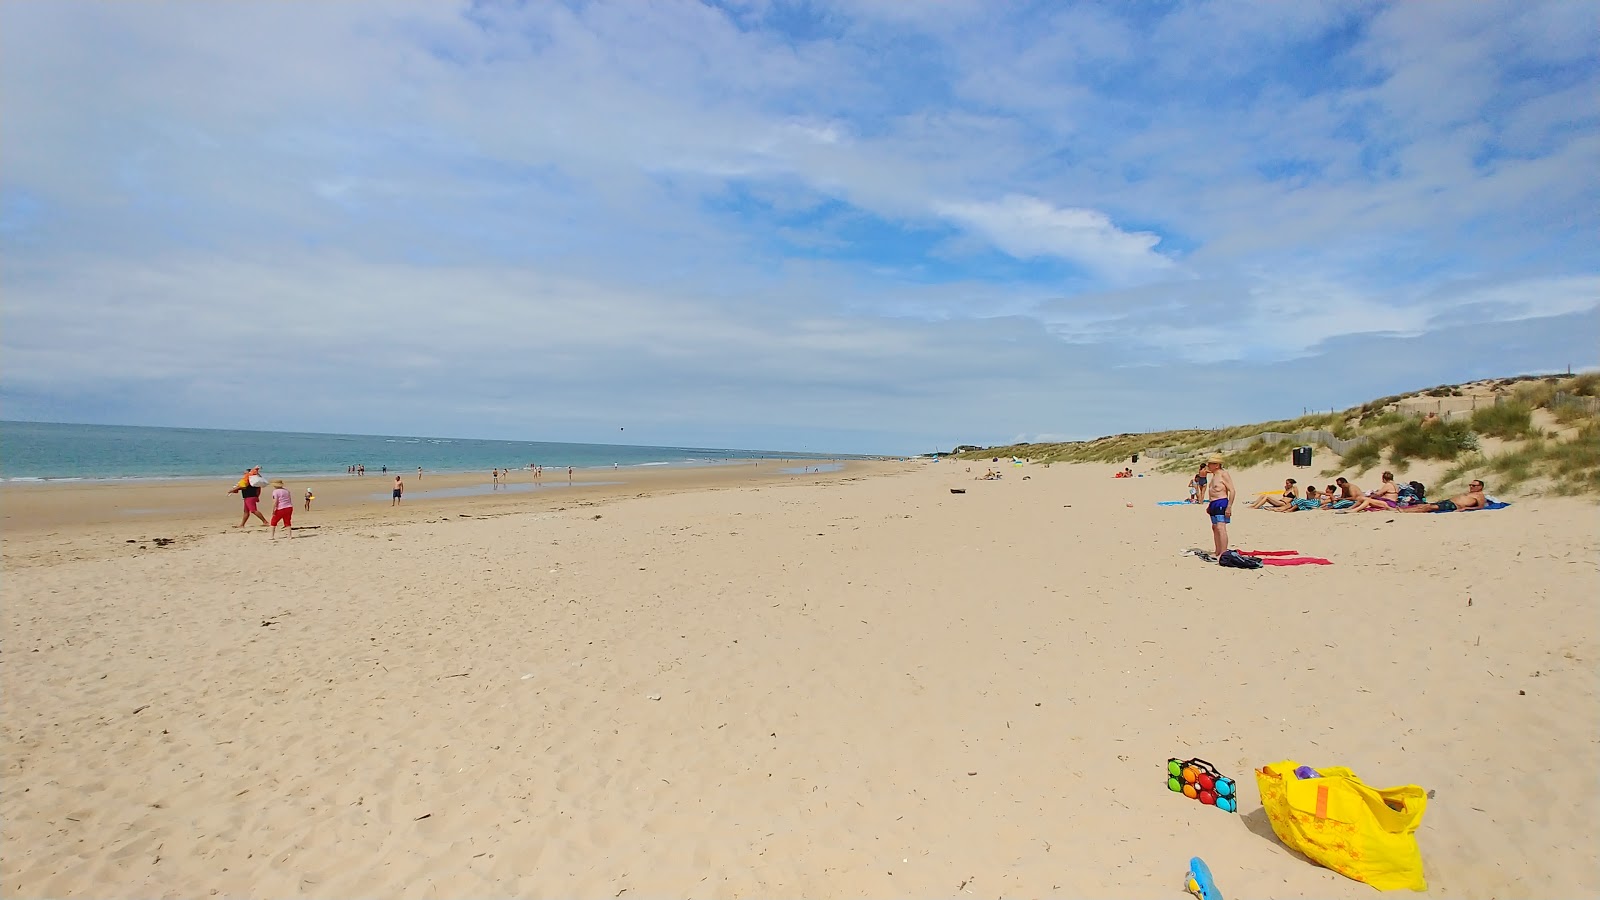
(1472, 499)
(1279, 501)
(1349, 494)
(1386, 497)
(1312, 500)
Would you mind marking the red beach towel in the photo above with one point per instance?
(1270, 552)
(1297, 561)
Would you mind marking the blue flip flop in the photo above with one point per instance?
(1199, 882)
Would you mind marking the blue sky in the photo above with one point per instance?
(868, 227)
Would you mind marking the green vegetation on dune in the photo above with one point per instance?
(1512, 420)
(1566, 458)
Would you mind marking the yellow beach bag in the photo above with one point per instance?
(1339, 822)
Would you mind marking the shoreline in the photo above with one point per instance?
(87, 512)
(25, 480)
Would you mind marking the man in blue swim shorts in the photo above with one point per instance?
(1220, 505)
(1472, 499)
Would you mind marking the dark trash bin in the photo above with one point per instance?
(1302, 457)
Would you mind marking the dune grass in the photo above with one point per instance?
(1443, 439)
(1567, 459)
(1511, 420)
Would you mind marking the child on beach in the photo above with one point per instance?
(282, 509)
(309, 497)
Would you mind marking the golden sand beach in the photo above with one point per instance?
(733, 683)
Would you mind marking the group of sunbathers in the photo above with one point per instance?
(1345, 496)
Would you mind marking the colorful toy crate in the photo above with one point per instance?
(1200, 780)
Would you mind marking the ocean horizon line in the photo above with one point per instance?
(63, 452)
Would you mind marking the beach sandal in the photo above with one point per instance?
(1199, 881)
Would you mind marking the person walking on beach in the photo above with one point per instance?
(309, 497)
(249, 488)
(282, 509)
(419, 474)
(495, 474)
(569, 475)
(399, 488)
(1222, 496)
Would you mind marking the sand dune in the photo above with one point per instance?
(837, 686)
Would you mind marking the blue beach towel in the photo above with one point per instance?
(1173, 503)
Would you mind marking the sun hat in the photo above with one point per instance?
(277, 482)
(1214, 459)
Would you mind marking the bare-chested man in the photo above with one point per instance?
(1472, 499)
(1221, 500)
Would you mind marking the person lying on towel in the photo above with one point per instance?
(1472, 499)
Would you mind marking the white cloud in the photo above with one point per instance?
(1027, 227)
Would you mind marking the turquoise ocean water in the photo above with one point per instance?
(38, 451)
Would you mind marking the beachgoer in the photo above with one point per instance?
(1472, 499)
(249, 488)
(1281, 500)
(569, 474)
(495, 474)
(309, 497)
(1222, 494)
(1199, 492)
(282, 509)
(399, 488)
(1386, 497)
(419, 473)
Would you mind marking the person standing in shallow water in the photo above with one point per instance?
(1220, 505)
